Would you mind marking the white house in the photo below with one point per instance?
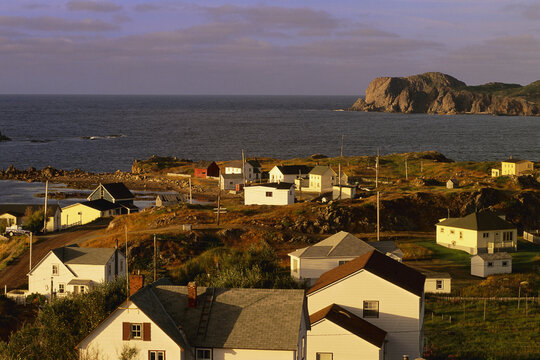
(311, 262)
(269, 194)
(116, 193)
(321, 179)
(177, 322)
(288, 173)
(484, 265)
(73, 269)
(252, 169)
(478, 232)
(437, 282)
(13, 214)
(377, 290)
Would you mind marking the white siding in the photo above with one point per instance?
(327, 337)
(473, 241)
(107, 337)
(246, 354)
(314, 268)
(400, 311)
(479, 267)
(431, 286)
(39, 280)
(257, 195)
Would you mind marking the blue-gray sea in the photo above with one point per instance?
(106, 133)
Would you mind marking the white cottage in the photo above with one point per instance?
(437, 282)
(375, 289)
(288, 173)
(308, 263)
(479, 232)
(269, 194)
(252, 169)
(73, 269)
(164, 321)
(321, 179)
(484, 265)
(230, 181)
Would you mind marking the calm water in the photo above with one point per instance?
(55, 130)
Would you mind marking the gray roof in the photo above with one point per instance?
(479, 221)
(342, 244)
(386, 246)
(85, 256)
(239, 318)
(294, 169)
(80, 282)
(172, 197)
(320, 170)
(495, 256)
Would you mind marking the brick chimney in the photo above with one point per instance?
(136, 282)
(192, 294)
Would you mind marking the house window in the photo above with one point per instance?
(269, 194)
(490, 263)
(55, 269)
(461, 235)
(505, 263)
(110, 269)
(485, 235)
(442, 229)
(62, 288)
(341, 262)
(438, 284)
(451, 231)
(136, 331)
(204, 354)
(507, 236)
(371, 309)
(156, 355)
(325, 356)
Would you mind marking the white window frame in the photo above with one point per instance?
(269, 194)
(61, 288)
(156, 354)
(134, 332)
(439, 284)
(318, 356)
(368, 307)
(55, 269)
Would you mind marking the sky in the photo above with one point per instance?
(282, 47)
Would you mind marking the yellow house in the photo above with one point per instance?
(88, 211)
(321, 179)
(513, 166)
(479, 232)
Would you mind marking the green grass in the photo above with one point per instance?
(505, 334)
(526, 258)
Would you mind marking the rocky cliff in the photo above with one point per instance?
(437, 93)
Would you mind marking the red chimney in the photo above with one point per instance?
(192, 294)
(136, 282)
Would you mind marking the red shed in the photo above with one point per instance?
(204, 169)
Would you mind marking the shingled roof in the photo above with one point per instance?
(85, 256)
(378, 264)
(342, 244)
(495, 256)
(350, 322)
(239, 318)
(479, 221)
(320, 170)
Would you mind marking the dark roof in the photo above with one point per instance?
(101, 204)
(479, 221)
(20, 209)
(203, 164)
(495, 256)
(294, 169)
(380, 265)
(320, 170)
(239, 318)
(385, 246)
(351, 323)
(254, 163)
(118, 191)
(85, 256)
(282, 185)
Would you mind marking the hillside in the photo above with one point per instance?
(437, 93)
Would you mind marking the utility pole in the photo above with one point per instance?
(45, 210)
(406, 172)
(300, 183)
(339, 167)
(484, 309)
(219, 199)
(127, 263)
(378, 237)
(243, 168)
(377, 170)
(30, 266)
(155, 258)
(422, 167)
(190, 193)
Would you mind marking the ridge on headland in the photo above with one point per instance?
(438, 93)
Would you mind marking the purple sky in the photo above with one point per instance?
(260, 47)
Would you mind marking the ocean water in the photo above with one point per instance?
(106, 133)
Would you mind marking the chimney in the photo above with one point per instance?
(136, 282)
(192, 294)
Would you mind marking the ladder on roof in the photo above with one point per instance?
(205, 312)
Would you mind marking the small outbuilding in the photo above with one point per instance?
(341, 192)
(437, 282)
(452, 184)
(484, 265)
(269, 194)
(170, 199)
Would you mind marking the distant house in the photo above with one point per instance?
(479, 232)
(311, 262)
(253, 169)
(13, 214)
(117, 193)
(229, 181)
(514, 166)
(321, 179)
(437, 282)
(532, 236)
(73, 269)
(269, 194)
(452, 184)
(188, 322)
(484, 265)
(372, 288)
(340, 192)
(204, 169)
(288, 173)
(170, 199)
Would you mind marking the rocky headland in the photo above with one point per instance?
(437, 93)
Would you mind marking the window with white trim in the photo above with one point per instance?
(61, 288)
(438, 284)
(136, 331)
(485, 235)
(54, 269)
(203, 354)
(507, 236)
(269, 194)
(371, 309)
(156, 355)
(325, 356)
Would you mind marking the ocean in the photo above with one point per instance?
(106, 133)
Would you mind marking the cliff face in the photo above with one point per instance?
(437, 93)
